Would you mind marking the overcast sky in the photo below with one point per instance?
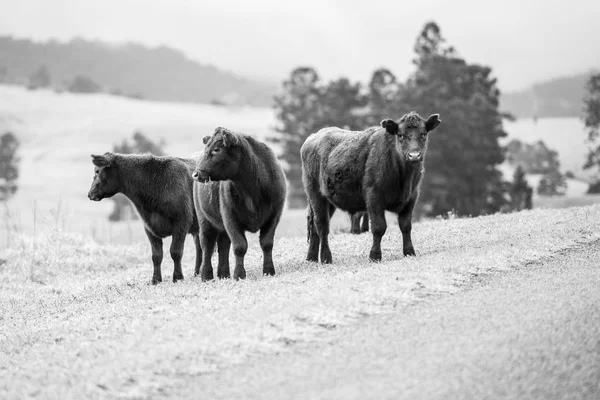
(524, 41)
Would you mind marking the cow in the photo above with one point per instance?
(374, 170)
(359, 222)
(160, 188)
(240, 187)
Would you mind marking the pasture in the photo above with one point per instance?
(59, 132)
(80, 319)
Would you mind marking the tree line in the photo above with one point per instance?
(462, 174)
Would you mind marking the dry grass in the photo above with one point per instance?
(80, 319)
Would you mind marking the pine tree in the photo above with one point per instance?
(520, 191)
(464, 152)
(592, 119)
(9, 165)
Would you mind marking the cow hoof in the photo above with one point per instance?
(223, 275)
(156, 280)
(409, 252)
(375, 256)
(269, 270)
(177, 278)
(207, 277)
(326, 258)
(312, 257)
(239, 273)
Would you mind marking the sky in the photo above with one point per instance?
(524, 41)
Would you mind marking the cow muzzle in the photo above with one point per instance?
(201, 176)
(415, 156)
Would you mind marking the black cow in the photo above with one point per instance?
(374, 170)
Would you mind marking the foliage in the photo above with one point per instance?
(39, 79)
(9, 165)
(520, 192)
(592, 119)
(534, 158)
(305, 106)
(594, 188)
(464, 151)
(537, 158)
(123, 209)
(552, 184)
(83, 84)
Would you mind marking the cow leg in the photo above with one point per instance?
(313, 236)
(208, 239)
(365, 223)
(177, 243)
(224, 244)
(378, 228)
(267, 234)
(321, 209)
(157, 255)
(198, 254)
(237, 235)
(405, 223)
(355, 223)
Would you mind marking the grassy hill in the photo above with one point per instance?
(60, 131)
(81, 320)
(159, 73)
(559, 97)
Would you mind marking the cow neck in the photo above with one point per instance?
(248, 180)
(136, 185)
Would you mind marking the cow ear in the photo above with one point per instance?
(390, 126)
(432, 122)
(100, 160)
(229, 138)
(205, 139)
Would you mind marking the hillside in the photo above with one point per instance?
(59, 132)
(82, 321)
(160, 73)
(560, 97)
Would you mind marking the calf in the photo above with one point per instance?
(241, 187)
(375, 170)
(160, 188)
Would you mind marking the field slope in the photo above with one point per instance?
(80, 319)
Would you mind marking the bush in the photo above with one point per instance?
(83, 84)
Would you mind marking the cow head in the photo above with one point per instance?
(411, 133)
(106, 181)
(221, 158)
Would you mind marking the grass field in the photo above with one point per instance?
(60, 131)
(80, 319)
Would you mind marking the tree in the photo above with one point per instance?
(552, 184)
(9, 165)
(464, 152)
(39, 79)
(83, 84)
(536, 158)
(383, 97)
(123, 209)
(305, 106)
(592, 119)
(520, 192)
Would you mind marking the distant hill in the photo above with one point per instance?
(160, 73)
(560, 97)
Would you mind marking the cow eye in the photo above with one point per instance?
(216, 150)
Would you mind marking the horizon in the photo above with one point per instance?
(265, 40)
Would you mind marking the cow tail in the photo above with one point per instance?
(310, 217)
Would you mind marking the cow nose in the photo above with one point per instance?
(414, 156)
